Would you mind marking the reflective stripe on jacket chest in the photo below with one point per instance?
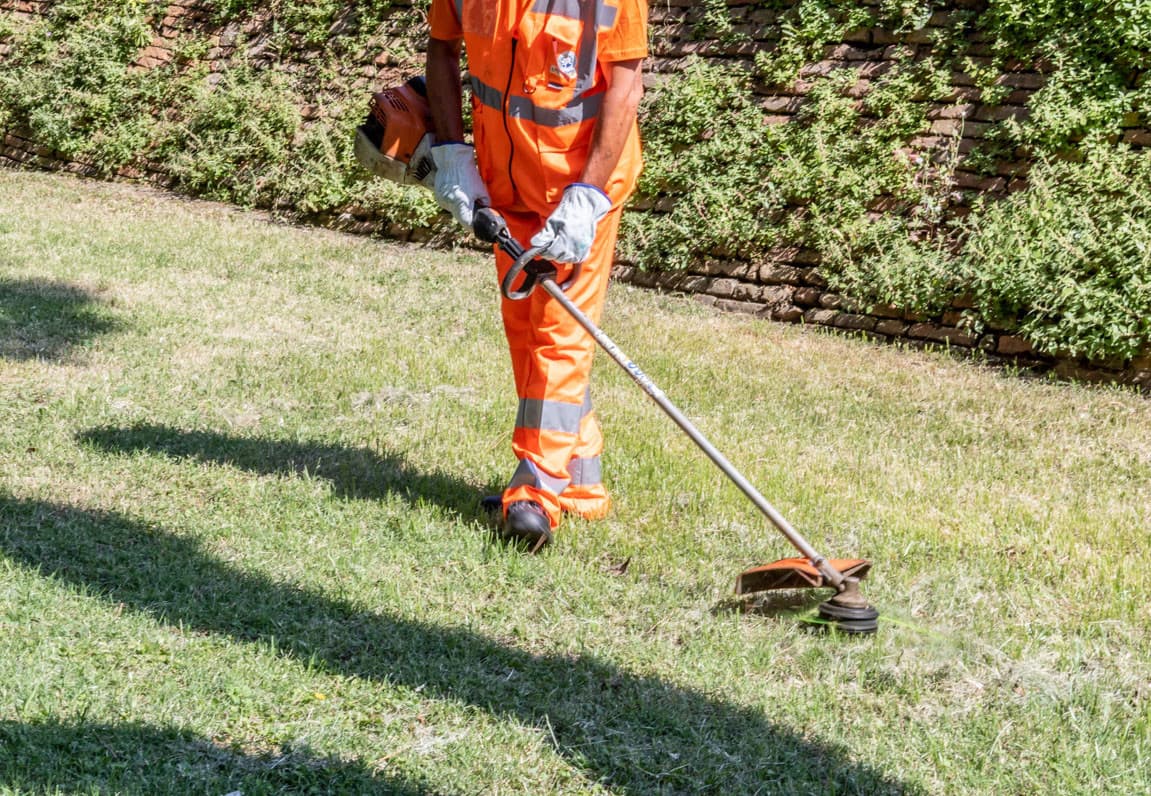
(554, 79)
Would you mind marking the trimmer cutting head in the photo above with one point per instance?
(847, 611)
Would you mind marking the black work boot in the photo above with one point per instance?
(526, 521)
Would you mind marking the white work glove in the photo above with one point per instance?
(569, 232)
(458, 183)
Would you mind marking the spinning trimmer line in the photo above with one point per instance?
(847, 610)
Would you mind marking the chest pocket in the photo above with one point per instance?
(556, 60)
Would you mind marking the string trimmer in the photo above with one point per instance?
(394, 143)
(847, 610)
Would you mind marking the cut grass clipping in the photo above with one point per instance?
(242, 548)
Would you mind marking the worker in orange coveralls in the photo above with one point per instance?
(555, 87)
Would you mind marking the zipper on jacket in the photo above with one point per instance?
(507, 125)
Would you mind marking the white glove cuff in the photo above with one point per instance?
(594, 197)
(452, 154)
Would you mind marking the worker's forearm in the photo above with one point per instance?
(445, 92)
(617, 117)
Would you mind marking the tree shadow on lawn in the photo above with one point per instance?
(134, 758)
(359, 473)
(635, 733)
(42, 319)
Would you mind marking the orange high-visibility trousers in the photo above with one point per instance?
(557, 438)
(539, 77)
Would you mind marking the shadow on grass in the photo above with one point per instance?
(133, 758)
(41, 319)
(791, 603)
(636, 734)
(353, 472)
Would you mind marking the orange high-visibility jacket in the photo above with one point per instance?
(538, 77)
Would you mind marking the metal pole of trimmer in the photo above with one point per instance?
(859, 617)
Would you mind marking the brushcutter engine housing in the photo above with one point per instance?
(395, 140)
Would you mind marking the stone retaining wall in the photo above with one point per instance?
(784, 286)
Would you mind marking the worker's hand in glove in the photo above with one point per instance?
(569, 232)
(458, 184)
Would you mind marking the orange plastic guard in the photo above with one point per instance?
(796, 573)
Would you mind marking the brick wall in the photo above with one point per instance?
(785, 285)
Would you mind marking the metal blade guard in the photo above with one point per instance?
(797, 573)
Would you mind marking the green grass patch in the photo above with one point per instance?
(241, 547)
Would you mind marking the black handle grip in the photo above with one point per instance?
(490, 227)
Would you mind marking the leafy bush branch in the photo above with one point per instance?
(69, 82)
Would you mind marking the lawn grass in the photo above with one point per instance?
(241, 547)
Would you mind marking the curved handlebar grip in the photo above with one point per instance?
(490, 227)
(534, 271)
(532, 275)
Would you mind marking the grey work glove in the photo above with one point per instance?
(569, 232)
(458, 183)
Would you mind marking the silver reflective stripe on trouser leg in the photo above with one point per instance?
(527, 474)
(585, 472)
(536, 414)
(541, 415)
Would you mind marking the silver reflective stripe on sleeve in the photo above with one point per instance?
(487, 95)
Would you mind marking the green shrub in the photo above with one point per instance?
(337, 26)
(889, 260)
(1069, 259)
(68, 81)
(703, 147)
(232, 135)
(1095, 51)
(805, 27)
(1065, 259)
(740, 186)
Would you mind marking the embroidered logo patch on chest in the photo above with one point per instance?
(566, 64)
